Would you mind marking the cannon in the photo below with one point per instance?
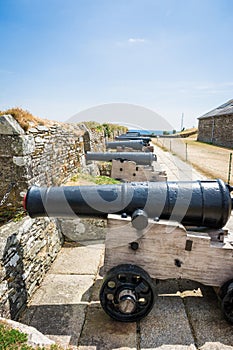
(133, 136)
(200, 203)
(155, 231)
(134, 144)
(140, 158)
(145, 140)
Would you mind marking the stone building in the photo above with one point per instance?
(216, 126)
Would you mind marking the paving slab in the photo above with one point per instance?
(64, 289)
(58, 307)
(205, 316)
(61, 323)
(167, 323)
(104, 333)
(78, 259)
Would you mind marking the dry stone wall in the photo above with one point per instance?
(27, 249)
(43, 156)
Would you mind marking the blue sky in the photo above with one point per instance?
(61, 57)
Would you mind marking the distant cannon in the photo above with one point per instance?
(133, 136)
(140, 158)
(134, 144)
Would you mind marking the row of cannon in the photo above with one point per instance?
(132, 159)
(156, 229)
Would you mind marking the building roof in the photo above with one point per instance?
(226, 108)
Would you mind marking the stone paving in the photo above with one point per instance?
(66, 306)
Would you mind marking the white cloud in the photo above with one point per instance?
(132, 41)
(136, 40)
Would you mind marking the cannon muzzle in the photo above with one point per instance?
(140, 158)
(194, 203)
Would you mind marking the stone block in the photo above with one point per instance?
(79, 230)
(16, 145)
(9, 126)
(21, 161)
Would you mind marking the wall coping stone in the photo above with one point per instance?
(9, 126)
(35, 338)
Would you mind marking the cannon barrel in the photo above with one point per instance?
(196, 203)
(141, 158)
(134, 144)
(145, 139)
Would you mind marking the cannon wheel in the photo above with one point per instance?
(226, 294)
(127, 293)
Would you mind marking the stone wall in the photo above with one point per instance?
(27, 249)
(93, 139)
(217, 130)
(42, 155)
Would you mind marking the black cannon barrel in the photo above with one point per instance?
(145, 139)
(141, 158)
(134, 144)
(197, 203)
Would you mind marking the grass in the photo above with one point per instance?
(8, 215)
(187, 132)
(13, 339)
(27, 120)
(19, 215)
(98, 180)
(197, 153)
(108, 129)
(24, 118)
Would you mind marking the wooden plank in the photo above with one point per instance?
(164, 251)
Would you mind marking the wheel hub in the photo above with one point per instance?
(127, 301)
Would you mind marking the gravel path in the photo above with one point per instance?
(212, 161)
